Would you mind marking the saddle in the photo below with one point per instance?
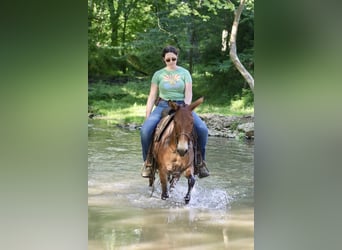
(162, 125)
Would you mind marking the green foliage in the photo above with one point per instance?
(243, 102)
(248, 97)
(101, 62)
(126, 39)
(234, 125)
(124, 103)
(131, 92)
(120, 102)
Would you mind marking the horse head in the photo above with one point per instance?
(183, 124)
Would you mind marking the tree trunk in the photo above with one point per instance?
(126, 14)
(232, 44)
(191, 52)
(114, 21)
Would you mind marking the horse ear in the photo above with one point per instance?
(173, 105)
(193, 105)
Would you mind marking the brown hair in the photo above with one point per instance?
(169, 49)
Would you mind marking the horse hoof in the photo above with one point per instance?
(164, 196)
(187, 199)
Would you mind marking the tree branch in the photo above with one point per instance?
(232, 44)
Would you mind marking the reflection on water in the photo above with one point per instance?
(125, 214)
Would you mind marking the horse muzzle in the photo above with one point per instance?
(182, 149)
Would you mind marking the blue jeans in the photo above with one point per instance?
(152, 121)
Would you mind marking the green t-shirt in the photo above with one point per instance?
(171, 84)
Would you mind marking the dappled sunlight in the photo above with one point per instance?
(227, 110)
(239, 107)
(127, 103)
(119, 115)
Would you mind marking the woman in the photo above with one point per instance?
(174, 83)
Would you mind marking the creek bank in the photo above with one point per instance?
(230, 126)
(220, 126)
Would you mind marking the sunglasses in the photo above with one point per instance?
(169, 60)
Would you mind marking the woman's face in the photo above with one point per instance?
(170, 59)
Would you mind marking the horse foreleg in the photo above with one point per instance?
(173, 181)
(191, 183)
(163, 182)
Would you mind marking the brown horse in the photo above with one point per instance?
(173, 153)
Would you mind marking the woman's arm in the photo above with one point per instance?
(151, 99)
(188, 93)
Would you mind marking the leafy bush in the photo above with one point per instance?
(124, 103)
(243, 102)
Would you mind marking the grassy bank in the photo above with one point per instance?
(125, 102)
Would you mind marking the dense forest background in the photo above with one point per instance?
(125, 39)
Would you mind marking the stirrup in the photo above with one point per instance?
(203, 170)
(146, 170)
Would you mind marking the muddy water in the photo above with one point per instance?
(124, 213)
